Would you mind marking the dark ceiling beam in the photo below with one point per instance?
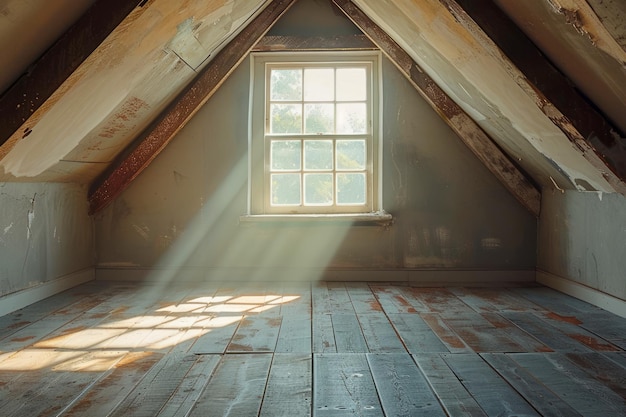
(47, 74)
(581, 120)
(467, 130)
(126, 168)
(273, 43)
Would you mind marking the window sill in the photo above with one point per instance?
(381, 218)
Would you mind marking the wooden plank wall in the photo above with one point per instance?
(321, 349)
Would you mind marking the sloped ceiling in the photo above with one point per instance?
(104, 104)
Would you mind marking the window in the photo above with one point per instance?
(314, 134)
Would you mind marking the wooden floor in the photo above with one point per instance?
(324, 349)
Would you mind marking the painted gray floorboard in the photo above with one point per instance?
(545, 332)
(348, 334)
(573, 385)
(537, 394)
(343, 386)
(454, 397)
(379, 334)
(494, 395)
(288, 392)
(617, 357)
(417, 336)
(236, 387)
(155, 389)
(402, 388)
(188, 392)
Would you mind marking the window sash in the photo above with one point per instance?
(261, 164)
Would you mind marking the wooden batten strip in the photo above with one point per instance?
(170, 122)
(468, 131)
(58, 63)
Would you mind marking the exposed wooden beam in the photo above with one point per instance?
(468, 131)
(58, 63)
(313, 43)
(577, 118)
(123, 171)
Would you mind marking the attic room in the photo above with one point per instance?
(276, 207)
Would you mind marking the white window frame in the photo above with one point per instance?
(259, 137)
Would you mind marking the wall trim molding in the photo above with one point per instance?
(591, 295)
(22, 298)
(413, 277)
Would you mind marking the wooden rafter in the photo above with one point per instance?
(577, 118)
(468, 131)
(171, 121)
(50, 71)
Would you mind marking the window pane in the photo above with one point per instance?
(319, 84)
(285, 189)
(319, 118)
(351, 84)
(351, 118)
(351, 189)
(318, 154)
(285, 118)
(318, 189)
(286, 85)
(285, 155)
(351, 154)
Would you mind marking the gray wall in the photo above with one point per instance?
(582, 237)
(45, 234)
(184, 210)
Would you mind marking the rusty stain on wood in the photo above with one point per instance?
(125, 170)
(467, 130)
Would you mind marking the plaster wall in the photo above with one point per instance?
(184, 210)
(582, 238)
(45, 234)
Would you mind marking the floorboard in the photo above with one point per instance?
(311, 349)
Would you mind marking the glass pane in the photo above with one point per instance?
(285, 118)
(351, 154)
(351, 84)
(318, 154)
(319, 118)
(351, 189)
(285, 155)
(318, 189)
(352, 118)
(285, 189)
(286, 85)
(319, 84)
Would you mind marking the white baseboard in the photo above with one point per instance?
(408, 276)
(591, 295)
(20, 299)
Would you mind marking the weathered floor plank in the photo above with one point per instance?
(380, 336)
(236, 388)
(416, 335)
(529, 387)
(343, 386)
(546, 333)
(493, 394)
(348, 334)
(454, 397)
(159, 384)
(402, 388)
(576, 387)
(289, 387)
(310, 349)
